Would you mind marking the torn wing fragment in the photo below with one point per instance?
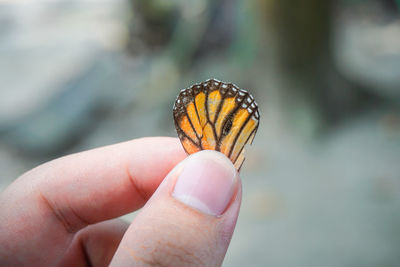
(214, 115)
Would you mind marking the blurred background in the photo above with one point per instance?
(322, 179)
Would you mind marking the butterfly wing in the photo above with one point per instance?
(216, 116)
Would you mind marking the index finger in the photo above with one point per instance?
(99, 184)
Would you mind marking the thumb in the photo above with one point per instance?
(189, 220)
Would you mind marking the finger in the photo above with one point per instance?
(99, 184)
(96, 244)
(190, 218)
(55, 200)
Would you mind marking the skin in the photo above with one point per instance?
(63, 213)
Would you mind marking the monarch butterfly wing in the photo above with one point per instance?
(217, 116)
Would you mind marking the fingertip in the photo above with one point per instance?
(207, 182)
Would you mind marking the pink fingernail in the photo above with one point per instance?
(207, 182)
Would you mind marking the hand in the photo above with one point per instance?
(61, 213)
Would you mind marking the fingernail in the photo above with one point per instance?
(207, 182)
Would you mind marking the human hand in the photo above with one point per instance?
(61, 213)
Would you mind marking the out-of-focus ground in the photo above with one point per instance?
(321, 183)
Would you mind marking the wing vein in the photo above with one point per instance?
(240, 131)
(252, 132)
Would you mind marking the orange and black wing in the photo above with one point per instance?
(216, 116)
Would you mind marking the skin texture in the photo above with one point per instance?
(63, 212)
